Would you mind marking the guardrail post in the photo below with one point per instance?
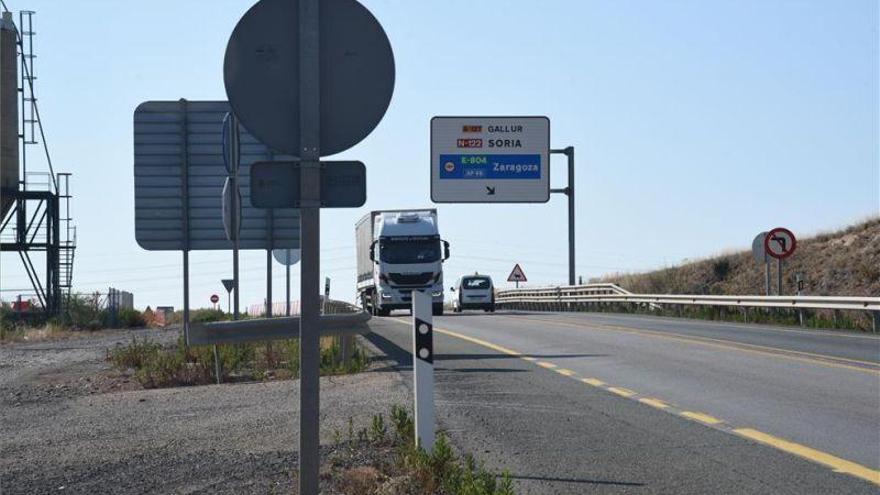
(875, 315)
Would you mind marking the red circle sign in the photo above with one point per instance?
(215, 298)
(780, 243)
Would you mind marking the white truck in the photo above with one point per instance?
(399, 251)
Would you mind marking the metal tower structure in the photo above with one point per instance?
(31, 220)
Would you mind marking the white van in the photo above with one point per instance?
(473, 292)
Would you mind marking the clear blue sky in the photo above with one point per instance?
(697, 125)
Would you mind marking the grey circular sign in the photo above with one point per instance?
(286, 256)
(261, 73)
(228, 192)
(758, 248)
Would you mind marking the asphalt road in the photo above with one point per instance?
(572, 402)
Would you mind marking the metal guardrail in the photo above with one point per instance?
(342, 319)
(561, 297)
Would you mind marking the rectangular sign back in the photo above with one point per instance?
(179, 174)
(276, 184)
(490, 159)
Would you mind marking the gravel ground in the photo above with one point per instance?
(68, 423)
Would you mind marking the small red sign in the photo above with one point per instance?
(471, 128)
(780, 243)
(215, 298)
(469, 143)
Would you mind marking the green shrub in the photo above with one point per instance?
(131, 318)
(83, 312)
(440, 471)
(207, 315)
(136, 355)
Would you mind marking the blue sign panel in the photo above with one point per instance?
(490, 166)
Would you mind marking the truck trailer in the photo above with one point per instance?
(399, 251)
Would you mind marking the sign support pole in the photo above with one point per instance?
(778, 276)
(185, 197)
(569, 191)
(287, 292)
(310, 269)
(234, 161)
(766, 275)
(423, 369)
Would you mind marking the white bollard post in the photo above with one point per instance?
(423, 369)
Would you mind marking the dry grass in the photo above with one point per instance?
(841, 263)
(24, 333)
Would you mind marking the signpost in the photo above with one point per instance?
(517, 275)
(287, 257)
(228, 284)
(309, 78)
(498, 160)
(779, 243)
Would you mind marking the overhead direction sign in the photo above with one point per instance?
(179, 176)
(490, 159)
(780, 243)
(517, 275)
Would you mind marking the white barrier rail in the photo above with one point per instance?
(562, 296)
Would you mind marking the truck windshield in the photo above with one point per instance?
(424, 250)
(475, 283)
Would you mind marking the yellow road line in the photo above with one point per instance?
(659, 404)
(565, 372)
(545, 364)
(703, 418)
(836, 463)
(625, 392)
(806, 357)
(529, 358)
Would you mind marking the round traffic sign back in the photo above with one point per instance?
(780, 243)
(287, 256)
(261, 73)
(758, 251)
(215, 298)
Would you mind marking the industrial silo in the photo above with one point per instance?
(8, 112)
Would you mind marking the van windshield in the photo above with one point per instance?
(476, 283)
(409, 250)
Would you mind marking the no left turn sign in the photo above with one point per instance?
(780, 243)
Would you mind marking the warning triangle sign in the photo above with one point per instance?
(227, 284)
(517, 275)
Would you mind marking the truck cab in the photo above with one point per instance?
(473, 292)
(406, 253)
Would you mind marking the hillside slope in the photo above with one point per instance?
(842, 263)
